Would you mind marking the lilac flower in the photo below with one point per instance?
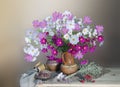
(56, 15)
(42, 35)
(99, 29)
(59, 42)
(100, 38)
(87, 20)
(43, 41)
(43, 24)
(44, 50)
(79, 55)
(70, 16)
(36, 24)
(64, 30)
(77, 27)
(28, 58)
(84, 62)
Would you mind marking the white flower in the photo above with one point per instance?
(67, 13)
(90, 35)
(27, 40)
(79, 34)
(70, 25)
(70, 32)
(85, 31)
(94, 32)
(74, 39)
(66, 36)
(29, 33)
(51, 33)
(31, 51)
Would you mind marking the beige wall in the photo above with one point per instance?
(17, 15)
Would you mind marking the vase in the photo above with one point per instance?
(69, 66)
(69, 69)
(52, 65)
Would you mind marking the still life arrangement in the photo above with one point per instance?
(65, 40)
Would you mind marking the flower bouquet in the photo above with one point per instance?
(63, 32)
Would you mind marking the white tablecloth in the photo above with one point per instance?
(111, 79)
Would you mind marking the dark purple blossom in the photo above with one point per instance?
(59, 42)
(43, 41)
(100, 38)
(44, 50)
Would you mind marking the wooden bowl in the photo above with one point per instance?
(52, 65)
(69, 69)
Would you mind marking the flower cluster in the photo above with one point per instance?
(63, 32)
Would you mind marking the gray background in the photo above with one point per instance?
(17, 15)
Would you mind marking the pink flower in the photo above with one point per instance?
(87, 20)
(43, 24)
(99, 29)
(43, 41)
(79, 55)
(44, 50)
(28, 58)
(54, 52)
(92, 49)
(70, 16)
(100, 38)
(84, 62)
(81, 39)
(85, 48)
(36, 24)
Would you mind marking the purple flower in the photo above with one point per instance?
(100, 38)
(51, 57)
(70, 16)
(56, 15)
(92, 49)
(78, 47)
(81, 39)
(44, 50)
(50, 47)
(54, 38)
(79, 55)
(64, 30)
(77, 27)
(28, 58)
(36, 24)
(59, 42)
(54, 52)
(84, 62)
(43, 41)
(85, 48)
(43, 24)
(42, 35)
(99, 29)
(87, 20)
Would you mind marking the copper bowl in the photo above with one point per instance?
(52, 65)
(69, 69)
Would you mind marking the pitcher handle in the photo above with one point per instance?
(63, 60)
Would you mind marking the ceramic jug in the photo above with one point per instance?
(67, 58)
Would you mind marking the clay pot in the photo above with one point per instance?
(52, 65)
(67, 58)
(69, 69)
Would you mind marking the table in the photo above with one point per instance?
(110, 79)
